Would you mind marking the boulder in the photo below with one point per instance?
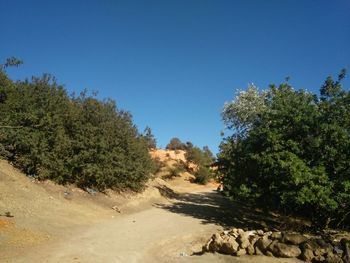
(270, 247)
(332, 258)
(346, 250)
(307, 254)
(240, 231)
(318, 246)
(229, 246)
(262, 244)
(269, 254)
(258, 252)
(260, 232)
(253, 239)
(250, 250)
(294, 239)
(216, 243)
(285, 251)
(276, 236)
(206, 247)
(240, 252)
(325, 245)
(243, 240)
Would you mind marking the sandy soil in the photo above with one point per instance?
(167, 223)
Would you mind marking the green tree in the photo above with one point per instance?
(175, 144)
(82, 140)
(295, 154)
(149, 138)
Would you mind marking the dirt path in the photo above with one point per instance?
(49, 226)
(166, 232)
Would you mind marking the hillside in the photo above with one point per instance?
(35, 212)
(168, 222)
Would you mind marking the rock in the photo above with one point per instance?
(240, 252)
(307, 254)
(332, 258)
(285, 251)
(294, 239)
(250, 250)
(115, 208)
(328, 248)
(319, 258)
(260, 232)
(243, 241)
(338, 250)
(206, 247)
(262, 244)
(229, 247)
(270, 247)
(183, 254)
(269, 254)
(267, 234)
(240, 231)
(276, 236)
(258, 252)
(253, 239)
(346, 250)
(319, 248)
(216, 243)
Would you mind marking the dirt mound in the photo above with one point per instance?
(171, 158)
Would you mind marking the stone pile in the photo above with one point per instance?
(238, 242)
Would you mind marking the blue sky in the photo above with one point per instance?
(173, 64)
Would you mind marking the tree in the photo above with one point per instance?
(149, 138)
(294, 154)
(175, 144)
(244, 110)
(203, 158)
(68, 139)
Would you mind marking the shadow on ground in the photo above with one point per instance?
(214, 208)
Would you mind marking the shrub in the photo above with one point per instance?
(175, 144)
(292, 154)
(203, 175)
(175, 171)
(69, 139)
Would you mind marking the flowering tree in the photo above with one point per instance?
(240, 113)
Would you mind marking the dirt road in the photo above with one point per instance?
(166, 232)
(167, 223)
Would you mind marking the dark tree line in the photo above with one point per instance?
(70, 139)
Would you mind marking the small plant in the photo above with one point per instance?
(175, 171)
(157, 165)
(203, 175)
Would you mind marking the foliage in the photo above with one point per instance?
(203, 158)
(175, 171)
(157, 165)
(69, 139)
(244, 109)
(203, 175)
(175, 144)
(294, 153)
(149, 138)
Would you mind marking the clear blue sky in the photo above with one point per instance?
(173, 64)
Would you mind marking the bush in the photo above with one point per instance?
(203, 175)
(175, 144)
(157, 165)
(68, 139)
(175, 171)
(293, 154)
